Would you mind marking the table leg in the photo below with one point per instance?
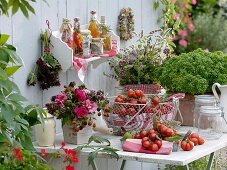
(210, 163)
(94, 166)
(186, 167)
(123, 164)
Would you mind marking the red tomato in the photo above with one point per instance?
(134, 95)
(137, 136)
(152, 136)
(145, 139)
(118, 99)
(169, 132)
(158, 142)
(131, 111)
(195, 141)
(133, 102)
(154, 147)
(121, 96)
(139, 93)
(146, 144)
(201, 141)
(143, 100)
(156, 101)
(143, 133)
(187, 146)
(194, 135)
(151, 131)
(162, 129)
(130, 93)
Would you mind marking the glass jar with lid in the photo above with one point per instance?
(202, 100)
(210, 122)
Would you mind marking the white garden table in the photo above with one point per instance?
(182, 158)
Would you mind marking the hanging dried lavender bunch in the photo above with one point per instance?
(47, 67)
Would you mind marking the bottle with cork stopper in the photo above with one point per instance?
(105, 34)
(77, 38)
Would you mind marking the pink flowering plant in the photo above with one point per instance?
(77, 105)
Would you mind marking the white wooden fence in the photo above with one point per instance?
(25, 36)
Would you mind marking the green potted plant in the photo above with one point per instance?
(193, 73)
(135, 66)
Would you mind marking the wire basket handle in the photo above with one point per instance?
(137, 113)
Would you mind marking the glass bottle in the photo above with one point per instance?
(86, 43)
(93, 26)
(66, 30)
(210, 122)
(77, 38)
(105, 34)
(199, 102)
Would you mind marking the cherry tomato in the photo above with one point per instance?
(146, 144)
(162, 129)
(151, 131)
(139, 93)
(158, 142)
(143, 100)
(154, 147)
(137, 136)
(155, 101)
(152, 136)
(201, 141)
(133, 102)
(143, 133)
(118, 99)
(194, 140)
(194, 135)
(130, 93)
(187, 145)
(121, 96)
(145, 139)
(169, 132)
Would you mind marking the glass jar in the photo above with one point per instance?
(97, 46)
(202, 100)
(86, 43)
(210, 122)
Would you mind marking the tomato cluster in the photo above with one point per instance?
(133, 97)
(193, 140)
(152, 139)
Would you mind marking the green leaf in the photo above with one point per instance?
(15, 6)
(11, 70)
(92, 156)
(24, 10)
(15, 57)
(29, 7)
(16, 97)
(111, 152)
(154, 117)
(7, 113)
(3, 38)
(5, 56)
(174, 138)
(156, 5)
(97, 139)
(3, 75)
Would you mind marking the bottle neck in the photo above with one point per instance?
(93, 17)
(76, 26)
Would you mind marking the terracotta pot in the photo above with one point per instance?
(187, 106)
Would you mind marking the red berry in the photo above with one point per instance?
(143, 133)
(99, 113)
(89, 123)
(74, 122)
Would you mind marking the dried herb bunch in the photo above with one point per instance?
(47, 69)
(136, 64)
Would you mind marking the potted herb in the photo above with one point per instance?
(136, 65)
(193, 73)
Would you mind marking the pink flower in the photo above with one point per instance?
(191, 27)
(69, 167)
(173, 38)
(183, 33)
(81, 111)
(186, 5)
(80, 94)
(92, 107)
(60, 98)
(177, 16)
(194, 2)
(183, 43)
(172, 1)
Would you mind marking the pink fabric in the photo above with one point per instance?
(134, 145)
(177, 96)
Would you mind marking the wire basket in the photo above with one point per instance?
(128, 117)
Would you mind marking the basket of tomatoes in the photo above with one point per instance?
(134, 111)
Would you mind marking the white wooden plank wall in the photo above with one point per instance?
(25, 36)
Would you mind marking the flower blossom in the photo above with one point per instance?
(59, 99)
(17, 154)
(43, 153)
(69, 167)
(193, 2)
(191, 27)
(92, 107)
(71, 155)
(183, 43)
(183, 33)
(177, 16)
(81, 111)
(80, 94)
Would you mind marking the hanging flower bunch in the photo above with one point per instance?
(77, 105)
(47, 69)
(126, 24)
